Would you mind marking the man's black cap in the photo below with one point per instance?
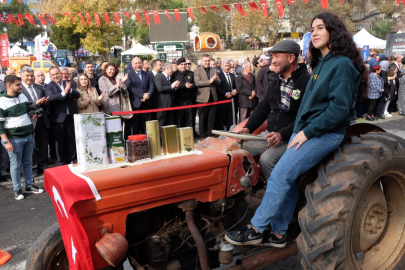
(181, 60)
(286, 46)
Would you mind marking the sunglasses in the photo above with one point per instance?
(188, 64)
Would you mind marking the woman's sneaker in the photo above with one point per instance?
(244, 236)
(386, 114)
(18, 195)
(34, 189)
(273, 241)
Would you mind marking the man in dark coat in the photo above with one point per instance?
(184, 94)
(140, 89)
(164, 94)
(262, 79)
(225, 91)
(246, 87)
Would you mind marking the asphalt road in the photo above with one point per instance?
(21, 222)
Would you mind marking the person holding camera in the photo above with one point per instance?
(38, 104)
(16, 135)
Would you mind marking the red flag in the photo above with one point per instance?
(306, 1)
(398, 1)
(190, 13)
(253, 6)
(177, 14)
(341, 1)
(30, 18)
(280, 8)
(107, 20)
(264, 7)
(156, 17)
(289, 2)
(138, 16)
(42, 19)
(226, 7)
(3, 20)
(69, 14)
(4, 2)
(11, 19)
(203, 10)
(324, 4)
(88, 18)
(20, 19)
(19, 1)
(50, 18)
(4, 50)
(168, 16)
(126, 13)
(146, 14)
(97, 19)
(240, 9)
(214, 8)
(81, 18)
(117, 18)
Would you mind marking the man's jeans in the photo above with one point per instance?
(21, 157)
(281, 194)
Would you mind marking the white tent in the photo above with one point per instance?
(17, 51)
(138, 49)
(365, 38)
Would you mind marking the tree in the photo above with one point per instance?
(94, 38)
(19, 33)
(64, 37)
(382, 28)
(136, 30)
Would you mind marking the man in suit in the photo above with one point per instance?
(225, 91)
(38, 104)
(66, 76)
(164, 94)
(62, 108)
(156, 67)
(206, 79)
(140, 87)
(40, 80)
(184, 94)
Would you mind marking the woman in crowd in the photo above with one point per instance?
(338, 78)
(112, 89)
(401, 92)
(89, 98)
(374, 90)
(389, 95)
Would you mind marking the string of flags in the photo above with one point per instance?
(18, 20)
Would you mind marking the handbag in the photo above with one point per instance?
(125, 105)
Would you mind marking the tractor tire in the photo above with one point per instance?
(355, 212)
(48, 251)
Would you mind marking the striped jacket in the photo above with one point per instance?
(375, 86)
(14, 119)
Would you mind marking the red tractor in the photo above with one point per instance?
(173, 213)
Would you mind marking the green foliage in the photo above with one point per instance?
(211, 22)
(381, 29)
(65, 37)
(240, 45)
(139, 31)
(19, 33)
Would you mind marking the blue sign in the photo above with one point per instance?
(305, 44)
(366, 52)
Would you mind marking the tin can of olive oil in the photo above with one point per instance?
(153, 132)
(170, 139)
(186, 139)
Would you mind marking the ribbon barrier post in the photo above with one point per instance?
(173, 108)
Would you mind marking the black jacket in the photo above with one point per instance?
(59, 104)
(224, 88)
(182, 92)
(245, 90)
(278, 120)
(33, 106)
(262, 81)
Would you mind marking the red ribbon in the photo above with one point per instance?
(173, 108)
(136, 13)
(240, 9)
(280, 8)
(106, 19)
(146, 14)
(30, 18)
(69, 14)
(20, 19)
(168, 16)
(264, 8)
(97, 19)
(214, 8)
(177, 14)
(117, 18)
(190, 13)
(156, 17)
(81, 18)
(203, 10)
(226, 7)
(253, 6)
(42, 19)
(50, 18)
(126, 13)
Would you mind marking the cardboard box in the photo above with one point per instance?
(116, 145)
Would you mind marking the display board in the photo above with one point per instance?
(395, 44)
(168, 30)
(171, 50)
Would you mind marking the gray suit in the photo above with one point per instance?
(164, 98)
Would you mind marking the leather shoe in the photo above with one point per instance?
(39, 172)
(5, 178)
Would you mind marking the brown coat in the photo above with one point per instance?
(81, 103)
(245, 89)
(204, 85)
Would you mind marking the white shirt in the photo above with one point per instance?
(154, 73)
(29, 92)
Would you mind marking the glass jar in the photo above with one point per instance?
(137, 147)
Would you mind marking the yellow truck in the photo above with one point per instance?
(44, 65)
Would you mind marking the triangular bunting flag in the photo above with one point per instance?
(240, 9)
(97, 19)
(226, 7)
(264, 8)
(81, 18)
(177, 14)
(168, 16)
(253, 6)
(136, 13)
(146, 14)
(190, 13)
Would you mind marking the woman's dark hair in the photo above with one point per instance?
(391, 71)
(255, 61)
(110, 65)
(340, 43)
(79, 84)
(375, 68)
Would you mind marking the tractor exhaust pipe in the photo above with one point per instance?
(266, 257)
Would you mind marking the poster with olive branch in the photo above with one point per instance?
(91, 144)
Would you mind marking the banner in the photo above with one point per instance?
(38, 52)
(365, 52)
(305, 45)
(4, 50)
(395, 44)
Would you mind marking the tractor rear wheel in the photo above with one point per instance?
(355, 212)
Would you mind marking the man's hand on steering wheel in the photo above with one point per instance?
(244, 130)
(273, 138)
